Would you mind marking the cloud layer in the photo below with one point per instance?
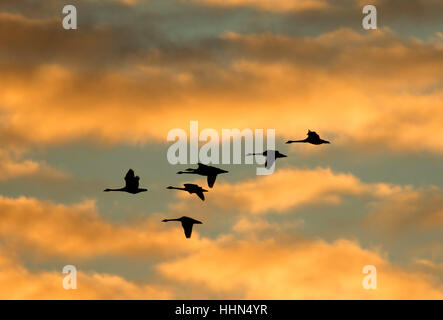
(303, 270)
(385, 88)
(136, 69)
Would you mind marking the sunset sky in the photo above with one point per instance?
(78, 108)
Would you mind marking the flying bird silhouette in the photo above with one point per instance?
(271, 156)
(205, 170)
(187, 224)
(192, 188)
(131, 185)
(313, 138)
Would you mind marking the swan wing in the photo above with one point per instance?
(130, 174)
(313, 135)
(270, 159)
(129, 177)
(187, 227)
(135, 183)
(211, 180)
(200, 195)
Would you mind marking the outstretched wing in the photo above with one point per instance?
(188, 229)
(130, 174)
(313, 134)
(129, 178)
(270, 159)
(211, 180)
(200, 195)
(135, 182)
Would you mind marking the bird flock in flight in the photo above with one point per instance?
(132, 181)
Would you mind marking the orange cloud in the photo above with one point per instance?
(283, 190)
(269, 269)
(271, 5)
(278, 265)
(16, 282)
(410, 210)
(12, 167)
(320, 83)
(290, 188)
(48, 229)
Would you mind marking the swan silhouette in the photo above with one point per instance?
(192, 188)
(131, 185)
(187, 224)
(271, 156)
(205, 170)
(313, 138)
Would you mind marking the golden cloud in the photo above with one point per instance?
(319, 83)
(11, 166)
(410, 210)
(271, 5)
(48, 229)
(290, 188)
(268, 269)
(17, 282)
(283, 190)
